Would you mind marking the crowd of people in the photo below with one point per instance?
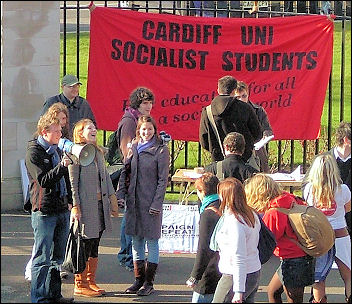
(235, 196)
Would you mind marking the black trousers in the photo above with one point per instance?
(91, 246)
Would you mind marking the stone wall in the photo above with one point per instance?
(30, 73)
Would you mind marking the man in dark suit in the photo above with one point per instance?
(233, 165)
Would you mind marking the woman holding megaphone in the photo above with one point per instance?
(93, 201)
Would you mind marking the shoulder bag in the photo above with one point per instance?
(267, 242)
(75, 256)
(212, 122)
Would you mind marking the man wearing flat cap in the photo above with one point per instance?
(78, 107)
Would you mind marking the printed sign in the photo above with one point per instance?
(179, 229)
(285, 61)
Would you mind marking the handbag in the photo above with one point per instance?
(75, 256)
(266, 244)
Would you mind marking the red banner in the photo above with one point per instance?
(285, 62)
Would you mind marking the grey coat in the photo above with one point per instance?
(84, 184)
(148, 182)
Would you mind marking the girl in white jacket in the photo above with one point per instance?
(237, 241)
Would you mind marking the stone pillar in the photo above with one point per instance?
(30, 73)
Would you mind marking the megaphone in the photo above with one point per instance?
(85, 153)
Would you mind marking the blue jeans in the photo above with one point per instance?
(125, 254)
(50, 237)
(138, 249)
(202, 298)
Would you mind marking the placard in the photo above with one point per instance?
(179, 229)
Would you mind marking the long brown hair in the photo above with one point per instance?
(54, 110)
(233, 197)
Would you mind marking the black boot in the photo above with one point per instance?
(139, 274)
(147, 287)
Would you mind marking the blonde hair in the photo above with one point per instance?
(233, 198)
(260, 190)
(324, 176)
(54, 110)
(45, 122)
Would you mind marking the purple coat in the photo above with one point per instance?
(148, 182)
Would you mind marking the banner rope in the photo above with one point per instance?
(91, 6)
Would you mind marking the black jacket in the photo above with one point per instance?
(43, 178)
(205, 268)
(230, 115)
(233, 166)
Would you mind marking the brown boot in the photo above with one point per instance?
(92, 265)
(147, 287)
(82, 288)
(139, 274)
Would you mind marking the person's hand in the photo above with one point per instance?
(75, 213)
(121, 203)
(113, 205)
(237, 297)
(66, 160)
(190, 284)
(153, 211)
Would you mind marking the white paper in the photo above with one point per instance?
(263, 142)
(293, 176)
(296, 174)
(282, 176)
(192, 174)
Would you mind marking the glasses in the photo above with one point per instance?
(241, 96)
(75, 86)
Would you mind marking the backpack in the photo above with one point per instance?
(113, 155)
(314, 232)
(267, 242)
